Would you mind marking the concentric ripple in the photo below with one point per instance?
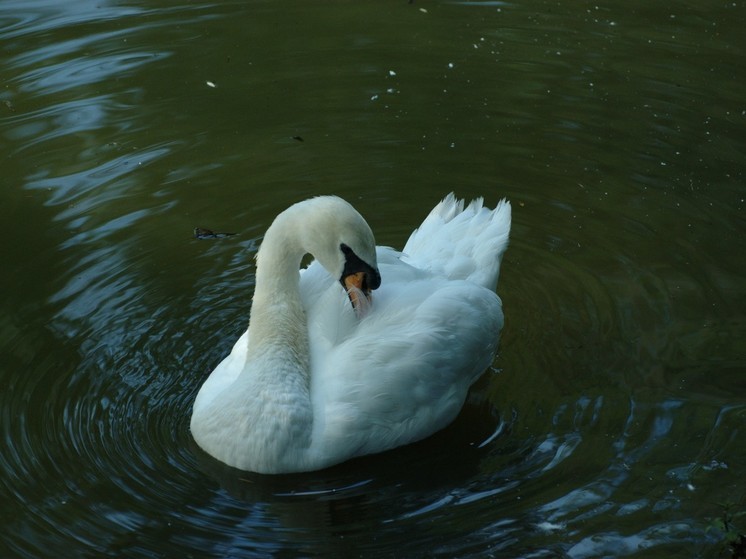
(612, 421)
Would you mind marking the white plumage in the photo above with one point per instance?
(312, 382)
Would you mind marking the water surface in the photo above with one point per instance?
(612, 421)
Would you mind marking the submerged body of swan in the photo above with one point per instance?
(324, 373)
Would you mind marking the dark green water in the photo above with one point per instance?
(613, 422)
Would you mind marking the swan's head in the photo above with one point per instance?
(343, 243)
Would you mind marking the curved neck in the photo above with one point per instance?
(278, 322)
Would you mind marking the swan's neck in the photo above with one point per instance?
(268, 409)
(277, 327)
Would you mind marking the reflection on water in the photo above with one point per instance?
(611, 422)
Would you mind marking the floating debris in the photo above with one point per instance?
(210, 84)
(201, 233)
(298, 138)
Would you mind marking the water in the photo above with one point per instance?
(613, 420)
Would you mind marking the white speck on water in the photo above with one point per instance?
(392, 73)
(210, 84)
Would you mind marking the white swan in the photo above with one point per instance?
(312, 382)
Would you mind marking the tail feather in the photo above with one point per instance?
(462, 242)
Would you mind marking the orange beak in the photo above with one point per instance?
(358, 291)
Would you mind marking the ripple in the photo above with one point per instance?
(74, 73)
(30, 17)
(115, 431)
(76, 120)
(610, 423)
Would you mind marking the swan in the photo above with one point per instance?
(327, 371)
